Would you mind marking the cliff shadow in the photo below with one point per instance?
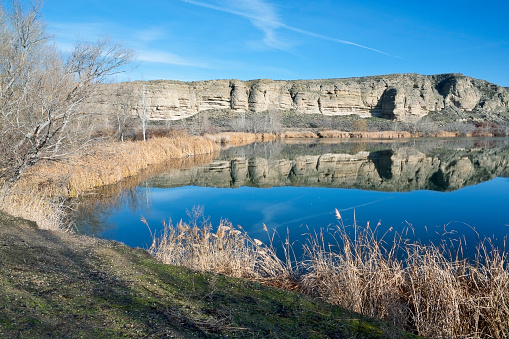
(385, 103)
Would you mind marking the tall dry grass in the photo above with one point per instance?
(108, 163)
(366, 135)
(458, 298)
(430, 289)
(39, 194)
(426, 288)
(240, 138)
(356, 270)
(227, 250)
(299, 134)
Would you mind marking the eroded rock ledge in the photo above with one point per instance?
(404, 97)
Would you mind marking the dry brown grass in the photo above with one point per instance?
(111, 162)
(299, 134)
(445, 134)
(38, 195)
(357, 272)
(428, 289)
(366, 135)
(334, 134)
(228, 250)
(240, 138)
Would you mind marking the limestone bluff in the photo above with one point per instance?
(402, 97)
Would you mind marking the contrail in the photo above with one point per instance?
(280, 24)
(368, 203)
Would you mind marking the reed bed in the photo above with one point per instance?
(39, 194)
(366, 135)
(299, 134)
(38, 206)
(240, 138)
(109, 163)
(426, 288)
(227, 250)
(430, 289)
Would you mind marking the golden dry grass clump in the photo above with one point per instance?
(112, 162)
(427, 289)
(299, 134)
(334, 134)
(366, 135)
(228, 250)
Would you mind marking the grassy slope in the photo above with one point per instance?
(59, 285)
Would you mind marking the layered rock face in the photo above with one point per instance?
(403, 97)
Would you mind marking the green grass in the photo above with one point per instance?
(58, 285)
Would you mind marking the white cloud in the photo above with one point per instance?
(163, 57)
(260, 13)
(150, 35)
(263, 15)
(88, 31)
(66, 35)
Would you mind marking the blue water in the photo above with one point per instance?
(483, 207)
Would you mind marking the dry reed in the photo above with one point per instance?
(428, 289)
(111, 162)
(240, 138)
(228, 250)
(38, 195)
(299, 134)
(366, 135)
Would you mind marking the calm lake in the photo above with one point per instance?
(431, 185)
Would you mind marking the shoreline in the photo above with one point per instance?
(41, 193)
(335, 134)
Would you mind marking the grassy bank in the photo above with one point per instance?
(429, 289)
(55, 284)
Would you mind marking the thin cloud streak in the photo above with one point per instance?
(68, 33)
(277, 24)
(265, 18)
(168, 58)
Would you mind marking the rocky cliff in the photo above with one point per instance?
(403, 97)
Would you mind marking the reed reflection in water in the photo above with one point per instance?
(430, 184)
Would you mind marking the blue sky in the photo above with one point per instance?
(279, 39)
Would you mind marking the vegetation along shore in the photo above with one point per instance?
(66, 129)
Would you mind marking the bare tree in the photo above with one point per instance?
(273, 120)
(124, 107)
(43, 92)
(143, 114)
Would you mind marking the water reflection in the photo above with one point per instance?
(439, 165)
(94, 211)
(418, 182)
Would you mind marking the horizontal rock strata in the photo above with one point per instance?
(403, 97)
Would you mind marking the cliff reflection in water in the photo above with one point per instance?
(373, 167)
(439, 165)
